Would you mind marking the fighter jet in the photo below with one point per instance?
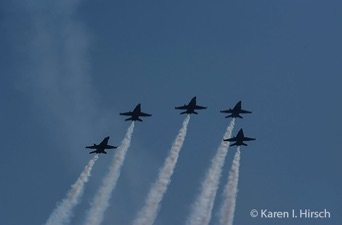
(191, 107)
(239, 139)
(101, 147)
(135, 114)
(235, 112)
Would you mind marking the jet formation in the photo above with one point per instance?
(189, 109)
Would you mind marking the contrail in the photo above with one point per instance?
(103, 195)
(202, 208)
(148, 213)
(230, 192)
(63, 211)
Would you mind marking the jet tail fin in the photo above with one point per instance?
(231, 115)
(92, 152)
(183, 112)
(128, 119)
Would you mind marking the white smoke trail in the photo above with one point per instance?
(202, 208)
(148, 213)
(103, 195)
(63, 212)
(230, 192)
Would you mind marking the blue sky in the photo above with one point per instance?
(69, 68)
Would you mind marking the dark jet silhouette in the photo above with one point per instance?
(191, 107)
(101, 147)
(235, 112)
(239, 139)
(135, 114)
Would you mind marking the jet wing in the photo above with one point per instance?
(248, 139)
(144, 114)
(231, 139)
(91, 147)
(126, 114)
(182, 107)
(227, 111)
(110, 147)
(245, 111)
(200, 107)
